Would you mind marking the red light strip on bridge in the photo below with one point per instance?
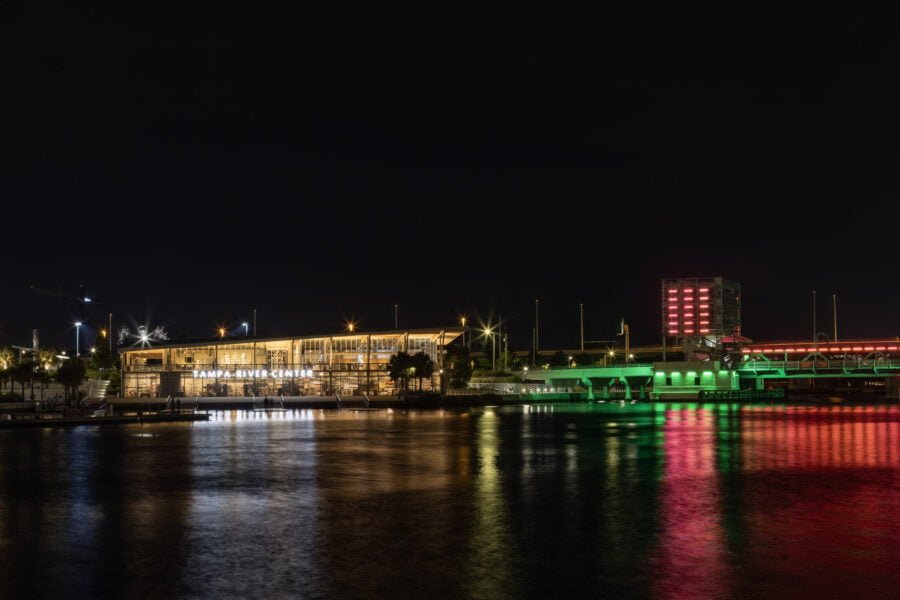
(823, 348)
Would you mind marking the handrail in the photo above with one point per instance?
(819, 364)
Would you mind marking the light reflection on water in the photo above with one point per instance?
(646, 500)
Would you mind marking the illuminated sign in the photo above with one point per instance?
(258, 373)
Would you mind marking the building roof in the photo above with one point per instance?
(451, 332)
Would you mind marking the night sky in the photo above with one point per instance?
(187, 169)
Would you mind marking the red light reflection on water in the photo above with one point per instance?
(813, 515)
(820, 499)
(692, 560)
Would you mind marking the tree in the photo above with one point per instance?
(399, 369)
(71, 374)
(42, 378)
(22, 373)
(460, 366)
(560, 359)
(101, 359)
(423, 367)
(7, 358)
(6, 376)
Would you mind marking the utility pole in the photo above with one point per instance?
(254, 323)
(533, 347)
(500, 337)
(505, 352)
(396, 317)
(109, 334)
(623, 330)
(537, 329)
(834, 308)
(581, 316)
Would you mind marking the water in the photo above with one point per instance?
(545, 501)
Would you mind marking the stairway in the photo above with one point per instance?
(97, 390)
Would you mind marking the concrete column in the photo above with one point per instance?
(627, 389)
(760, 383)
(643, 393)
(590, 387)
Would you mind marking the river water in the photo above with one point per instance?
(541, 501)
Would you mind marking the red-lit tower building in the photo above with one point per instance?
(701, 307)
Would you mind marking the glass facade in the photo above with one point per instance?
(345, 364)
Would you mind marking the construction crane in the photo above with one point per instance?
(81, 298)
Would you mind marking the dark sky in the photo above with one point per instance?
(188, 168)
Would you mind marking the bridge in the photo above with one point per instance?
(602, 378)
(760, 368)
(691, 378)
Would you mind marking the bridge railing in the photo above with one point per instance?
(860, 363)
(620, 365)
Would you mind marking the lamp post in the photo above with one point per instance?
(77, 337)
(462, 321)
(524, 374)
(834, 308)
(490, 334)
(221, 332)
(246, 327)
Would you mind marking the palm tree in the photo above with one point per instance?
(423, 366)
(22, 374)
(399, 367)
(71, 374)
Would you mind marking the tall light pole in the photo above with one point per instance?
(581, 318)
(500, 338)
(537, 330)
(246, 327)
(77, 335)
(254, 322)
(462, 320)
(490, 336)
(396, 316)
(834, 308)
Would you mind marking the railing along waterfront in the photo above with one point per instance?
(800, 365)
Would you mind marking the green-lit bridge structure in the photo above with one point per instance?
(704, 379)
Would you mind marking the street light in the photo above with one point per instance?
(246, 327)
(221, 332)
(463, 321)
(524, 374)
(489, 333)
(93, 350)
(77, 336)
(351, 326)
